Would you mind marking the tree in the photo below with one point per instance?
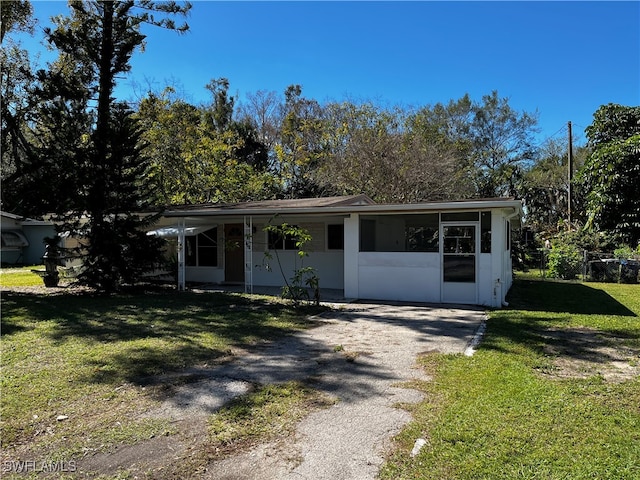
(16, 103)
(610, 175)
(446, 125)
(445, 128)
(502, 144)
(16, 15)
(170, 127)
(263, 110)
(300, 146)
(201, 154)
(96, 43)
(247, 147)
(384, 154)
(544, 188)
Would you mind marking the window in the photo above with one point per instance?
(399, 233)
(459, 269)
(485, 232)
(202, 249)
(335, 237)
(459, 260)
(460, 217)
(508, 239)
(277, 242)
(421, 233)
(13, 239)
(459, 240)
(367, 235)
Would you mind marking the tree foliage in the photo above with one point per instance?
(610, 175)
(381, 153)
(544, 188)
(16, 16)
(17, 103)
(502, 144)
(299, 148)
(201, 154)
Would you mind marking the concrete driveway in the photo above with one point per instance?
(358, 353)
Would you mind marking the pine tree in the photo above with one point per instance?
(99, 184)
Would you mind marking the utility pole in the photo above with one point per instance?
(570, 176)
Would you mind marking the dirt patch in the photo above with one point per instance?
(584, 352)
(159, 457)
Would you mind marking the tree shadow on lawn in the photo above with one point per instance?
(151, 333)
(545, 334)
(564, 297)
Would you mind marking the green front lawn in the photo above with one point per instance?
(91, 361)
(21, 277)
(553, 392)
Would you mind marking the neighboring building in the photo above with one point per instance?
(23, 239)
(442, 252)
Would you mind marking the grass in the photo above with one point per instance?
(269, 412)
(20, 277)
(93, 358)
(507, 413)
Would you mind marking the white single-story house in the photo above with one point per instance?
(436, 252)
(23, 239)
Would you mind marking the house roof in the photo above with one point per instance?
(275, 205)
(336, 205)
(21, 219)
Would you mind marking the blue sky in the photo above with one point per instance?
(561, 59)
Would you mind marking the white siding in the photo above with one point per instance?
(328, 266)
(486, 282)
(402, 276)
(205, 274)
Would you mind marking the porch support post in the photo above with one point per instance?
(248, 254)
(181, 256)
(351, 252)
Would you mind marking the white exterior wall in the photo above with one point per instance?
(205, 274)
(401, 276)
(328, 265)
(500, 261)
(486, 280)
(351, 256)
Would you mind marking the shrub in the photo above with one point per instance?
(565, 261)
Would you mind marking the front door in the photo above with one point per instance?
(233, 253)
(459, 263)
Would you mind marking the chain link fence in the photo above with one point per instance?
(572, 264)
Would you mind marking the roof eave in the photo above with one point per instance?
(510, 204)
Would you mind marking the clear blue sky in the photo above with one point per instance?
(562, 59)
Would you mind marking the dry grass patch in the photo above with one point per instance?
(584, 352)
(270, 412)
